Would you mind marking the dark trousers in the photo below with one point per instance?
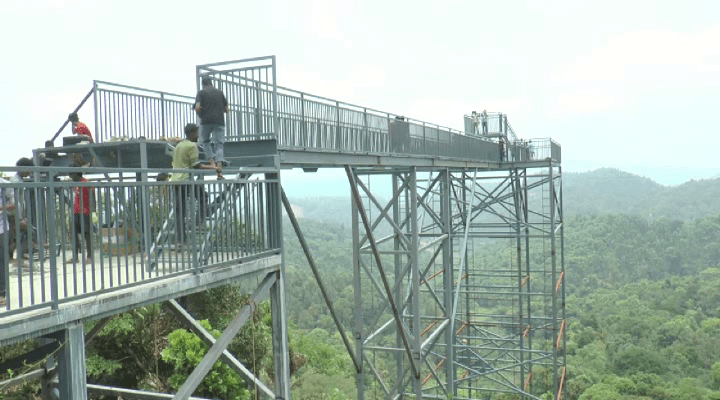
(3, 262)
(82, 227)
(12, 243)
(181, 194)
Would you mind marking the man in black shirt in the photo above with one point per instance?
(211, 106)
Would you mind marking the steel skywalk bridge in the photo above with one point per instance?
(434, 316)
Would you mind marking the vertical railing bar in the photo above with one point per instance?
(75, 243)
(16, 234)
(116, 205)
(101, 217)
(92, 236)
(54, 289)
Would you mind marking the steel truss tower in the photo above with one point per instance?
(459, 282)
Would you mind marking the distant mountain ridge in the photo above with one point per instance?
(601, 191)
(611, 191)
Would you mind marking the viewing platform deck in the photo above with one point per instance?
(235, 238)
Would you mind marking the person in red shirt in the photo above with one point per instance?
(78, 127)
(84, 204)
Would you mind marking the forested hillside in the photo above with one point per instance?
(603, 191)
(610, 191)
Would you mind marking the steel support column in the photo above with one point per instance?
(415, 279)
(448, 278)
(278, 303)
(357, 295)
(71, 364)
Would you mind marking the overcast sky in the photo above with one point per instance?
(628, 84)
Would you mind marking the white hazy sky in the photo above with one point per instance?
(628, 84)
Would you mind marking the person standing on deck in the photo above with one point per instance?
(185, 156)
(83, 206)
(211, 106)
(78, 127)
(475, 117)
(25, 210)
(7, 204)
(484, 118)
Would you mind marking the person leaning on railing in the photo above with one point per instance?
(7, 205)
(186, 156)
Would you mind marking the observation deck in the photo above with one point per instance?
(146, 248)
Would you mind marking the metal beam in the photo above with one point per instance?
(97, 328)
(462, 258)
(415, 280)
(71, 364)
(131, 394)
(318, 279)
(20, 379)
(358, 323)
(31, 357)
(376, 254)
(226, 357)
(16, 328)
(221, 344)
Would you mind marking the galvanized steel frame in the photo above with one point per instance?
(449, 212)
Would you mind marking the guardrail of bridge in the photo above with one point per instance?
(304, 121)
(311, 122)
(123, 111)
(111, 232)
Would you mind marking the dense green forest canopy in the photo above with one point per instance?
(610, 191)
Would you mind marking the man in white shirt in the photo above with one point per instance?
(475, 117)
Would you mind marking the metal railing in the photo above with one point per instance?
(123, 111)
(259, 109)
(111, 232)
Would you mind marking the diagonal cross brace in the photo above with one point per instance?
(318, 279)
(226, 357)
(222, 343)
(386, 284)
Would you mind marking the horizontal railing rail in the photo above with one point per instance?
(305, 121)
(123, 111)
(72, 239)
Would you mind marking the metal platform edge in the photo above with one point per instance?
(299, 158)
(24, 326)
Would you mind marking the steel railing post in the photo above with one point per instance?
(424, 141)
(366, 134)
(338, 133)
(96, 113)
(162, 114)
(303, 129)
(51, 208)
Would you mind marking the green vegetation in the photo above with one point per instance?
(609, 191)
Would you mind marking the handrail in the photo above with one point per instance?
(133, 222)
(87, 96)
